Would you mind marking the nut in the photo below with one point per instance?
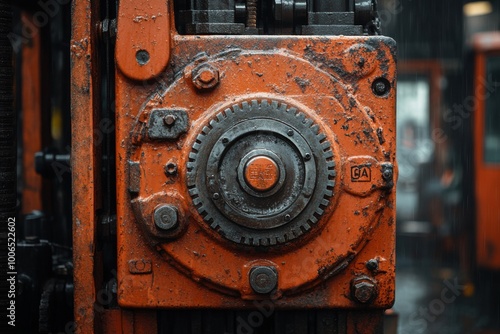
(171, 168)
(364, 289)
(205, 77)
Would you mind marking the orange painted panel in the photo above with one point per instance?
(487, 173)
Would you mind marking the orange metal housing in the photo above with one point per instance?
(486, 175)
(346, 86)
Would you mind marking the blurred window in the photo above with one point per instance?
(492, 119)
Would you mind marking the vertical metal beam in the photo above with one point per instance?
(32, 115)
(85, 77)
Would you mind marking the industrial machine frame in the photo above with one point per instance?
(341, 87)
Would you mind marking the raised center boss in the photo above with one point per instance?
(256, 150)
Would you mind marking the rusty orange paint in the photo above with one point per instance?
(32, 117)
(128, 321)
(143, 38)
(196, 268)
(486, 175)
(200, 268)
(84, 108)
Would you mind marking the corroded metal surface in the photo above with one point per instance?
(84, 161)
(333, 81)
(340, 93)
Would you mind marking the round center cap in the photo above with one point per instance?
(261, 173)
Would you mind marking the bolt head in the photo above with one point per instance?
(364, 290)
(387, 174)
(381, 86)
(372, 264)
(166, 217)
(263, 280)
(169, 120)
(205, 77)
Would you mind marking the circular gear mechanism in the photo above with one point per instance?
(261, 173)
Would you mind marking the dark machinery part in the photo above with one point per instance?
(49, 164)
(34, 258)
(300, 17)
(8, 153)
(273, 202)
(56, 303)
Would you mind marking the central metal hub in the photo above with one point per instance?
(261, 173)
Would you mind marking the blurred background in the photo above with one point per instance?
(448, 210)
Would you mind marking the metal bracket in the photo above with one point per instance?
(167, 123)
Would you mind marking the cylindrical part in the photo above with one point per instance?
(363, 11)
(251, 13)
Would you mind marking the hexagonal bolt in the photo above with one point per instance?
(166, 217)
(205, 77)
(263, 280)
(364, 289)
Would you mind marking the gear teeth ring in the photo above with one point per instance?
(213, 132)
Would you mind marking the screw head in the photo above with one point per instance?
(205, 77)
(216, 196)
(381, 86)
(166, 217)
(307, 157)
(263, 280)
